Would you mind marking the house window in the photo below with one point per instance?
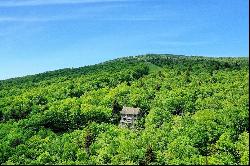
(129, 119)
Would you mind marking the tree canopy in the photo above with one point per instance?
(195, 110)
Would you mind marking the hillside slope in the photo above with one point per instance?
(194, 111)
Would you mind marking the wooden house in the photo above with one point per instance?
(129, 115)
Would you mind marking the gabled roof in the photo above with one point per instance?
(130, 110)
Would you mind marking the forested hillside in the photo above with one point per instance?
(195, 110)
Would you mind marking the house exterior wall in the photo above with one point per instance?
(128, 119)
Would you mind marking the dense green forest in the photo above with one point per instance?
(195, 110)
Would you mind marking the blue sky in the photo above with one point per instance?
(42, 35)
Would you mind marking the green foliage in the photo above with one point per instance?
(194, 110)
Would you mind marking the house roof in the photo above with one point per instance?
(130, 110)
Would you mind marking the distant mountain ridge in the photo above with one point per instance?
(141, 58)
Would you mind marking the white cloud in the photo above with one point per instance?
(82, 13)
(97, 13)
(16, 3)
(96, 17)
(85, 13)
(3, 19)
(34, 19)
